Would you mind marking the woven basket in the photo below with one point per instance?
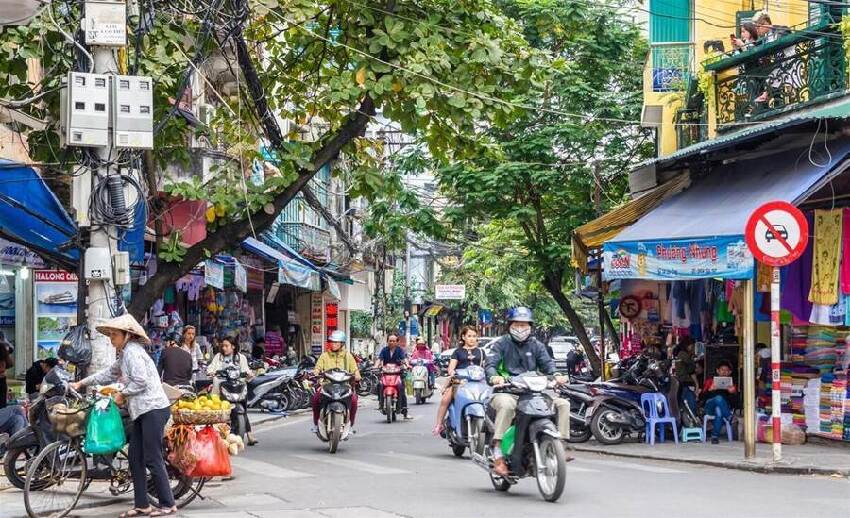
(200, 417)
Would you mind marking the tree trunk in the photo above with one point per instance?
(552, 283)
(233, 233)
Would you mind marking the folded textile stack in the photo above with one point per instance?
(820, 349)
(811, 404)
(825, 406)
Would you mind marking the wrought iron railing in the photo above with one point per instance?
(310, 241)
(795, 70)
(691, 127)
(671, 66)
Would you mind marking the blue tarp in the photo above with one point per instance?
(290, 270)
(31, 215)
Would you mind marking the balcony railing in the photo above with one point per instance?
(308, 240)
(691, 127)
(670, 64)
(798, 69)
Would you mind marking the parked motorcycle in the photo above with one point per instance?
(532, 446)
(234, 389)
(266, 392)
(580, 399)
(390, 380)
(421, 379)
(464, 421)
(334, 419)
(368, 379)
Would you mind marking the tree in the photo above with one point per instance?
(442, 70)
(560, 164)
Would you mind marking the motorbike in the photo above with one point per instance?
(390, 379)
(23, 446)
(334, 419)
(234, 389)
(580, 399)
(532, 445)
(368, 378)
(266, 392)
(615, 411)
(421, 378)
(464, 421)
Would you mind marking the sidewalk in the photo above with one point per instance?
(807, 459)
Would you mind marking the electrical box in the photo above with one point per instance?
(85, 110)
(106, 22)
(121, 268)
(98, 264)
(132, 112)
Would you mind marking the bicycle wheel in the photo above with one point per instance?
(55, 480)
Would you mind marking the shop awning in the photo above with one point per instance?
(31, 215)
(699, 232)
(289, 271)
(592, 235)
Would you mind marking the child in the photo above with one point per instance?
(719, 402)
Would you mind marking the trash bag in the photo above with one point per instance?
(76, 346)
(213, 459)
(104, 430)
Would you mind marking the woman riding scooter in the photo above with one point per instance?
(467, 354)
(422, 352)
(335, 358)
(227, 356)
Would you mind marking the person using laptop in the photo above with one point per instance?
(720, 395)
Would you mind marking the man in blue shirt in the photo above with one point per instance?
(392, 354)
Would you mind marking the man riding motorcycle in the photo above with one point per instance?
(511, 355)
(335, 358)
(392, 354)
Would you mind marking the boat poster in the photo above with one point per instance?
(55, 309)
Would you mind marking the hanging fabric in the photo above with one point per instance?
(797, 280)
(827, 252)
(764, 276)
(845, 252)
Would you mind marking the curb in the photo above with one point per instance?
(766, 469)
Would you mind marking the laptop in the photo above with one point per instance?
(722, 382)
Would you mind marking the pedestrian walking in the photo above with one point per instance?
(149, 409)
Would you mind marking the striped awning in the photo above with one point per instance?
(593, 234)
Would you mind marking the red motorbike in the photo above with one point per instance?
(390, 381)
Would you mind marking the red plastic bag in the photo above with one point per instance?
(213, 459)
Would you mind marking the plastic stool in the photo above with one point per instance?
(650, 403)
(708, 418)
(693, 434)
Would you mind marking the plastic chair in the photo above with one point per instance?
(650, 403)
(693, 434)
(707, 418)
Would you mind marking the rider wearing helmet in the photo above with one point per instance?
(511, 355)
(335, 357)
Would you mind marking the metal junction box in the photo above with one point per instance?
(106, 22)
(132, 112)
(85, 110)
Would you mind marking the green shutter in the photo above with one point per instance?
(669, 21)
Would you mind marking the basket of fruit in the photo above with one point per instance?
(201, 410)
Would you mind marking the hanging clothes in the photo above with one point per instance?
(834, 315)
(764, 276)
(845, 252)
(827, 254)
(797, 280)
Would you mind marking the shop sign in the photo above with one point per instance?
(7, 299)
(450, 291)
(331, 318)
(317, 323)
(777, 233)
(240, 277)
(678, 259)
(214, 274)
(55, 296)
(13, 254)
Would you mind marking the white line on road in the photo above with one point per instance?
(630, 465)
(266, 469)
(354, 464)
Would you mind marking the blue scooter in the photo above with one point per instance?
(464, 422)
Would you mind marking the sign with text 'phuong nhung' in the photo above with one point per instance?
(450, 291)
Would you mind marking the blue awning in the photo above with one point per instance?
(698, 233)
(290, 271)
(31, 215)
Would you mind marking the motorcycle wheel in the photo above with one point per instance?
(458, 450)
(335, 433)
(283, 401)
(389, 408)
(476, 441)
(365, 387)
(604, 432)
(579, 434)
(15, 465)
(552, 476)
(499, 484)
(242, 426)
(418, 394)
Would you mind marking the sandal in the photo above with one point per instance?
(136, 512)
(164, 512)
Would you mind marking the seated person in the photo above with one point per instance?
(719, 402)
(12, 419)
(35, 375)
(421, 352)
(336, 357)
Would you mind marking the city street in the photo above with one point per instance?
(400, 470)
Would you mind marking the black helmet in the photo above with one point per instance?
(520, 314)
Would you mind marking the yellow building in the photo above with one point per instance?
(686, 102)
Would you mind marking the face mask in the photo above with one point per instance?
(520, 335)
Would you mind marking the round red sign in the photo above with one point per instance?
(777, 233)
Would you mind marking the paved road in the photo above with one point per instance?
(399, 470)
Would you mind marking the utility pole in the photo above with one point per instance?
(408, 306)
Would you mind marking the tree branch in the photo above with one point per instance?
(313, 202)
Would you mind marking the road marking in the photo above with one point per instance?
(630, 465)
(577, 469)
(267, 469)
(353, 464)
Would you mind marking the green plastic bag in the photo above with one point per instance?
(104, 430)
(508, 441)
